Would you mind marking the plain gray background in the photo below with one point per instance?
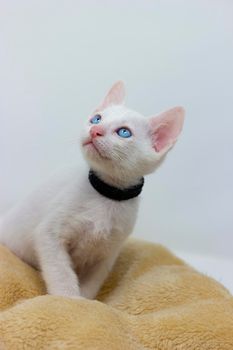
(57, 60)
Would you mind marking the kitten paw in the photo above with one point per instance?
(77, 297)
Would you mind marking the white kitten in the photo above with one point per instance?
(67, 225)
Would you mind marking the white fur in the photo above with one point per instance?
(67, 229)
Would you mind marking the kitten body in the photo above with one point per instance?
(67, 229)
(67, 225)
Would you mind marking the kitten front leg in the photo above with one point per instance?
(92, 283)
(56, 265)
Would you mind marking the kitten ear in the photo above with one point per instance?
(115, 96)
(166, 127)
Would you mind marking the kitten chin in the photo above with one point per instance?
(93, 151)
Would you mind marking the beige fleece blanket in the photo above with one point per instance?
(151, 300)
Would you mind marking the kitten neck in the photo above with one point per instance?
(113, 192)
(118, 182)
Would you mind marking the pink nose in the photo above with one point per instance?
(96, 131)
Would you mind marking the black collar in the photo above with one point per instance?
(112, 192)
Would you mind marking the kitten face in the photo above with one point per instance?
(106, 150)
(123, 143)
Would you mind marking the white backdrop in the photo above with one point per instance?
(58, 58)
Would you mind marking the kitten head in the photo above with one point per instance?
(123, 144)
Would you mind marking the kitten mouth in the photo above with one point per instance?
(91, 144)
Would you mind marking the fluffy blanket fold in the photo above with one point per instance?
(151, 300)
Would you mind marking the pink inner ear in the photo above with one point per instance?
(166, 128)
(162, 137)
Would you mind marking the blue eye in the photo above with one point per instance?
(96, 119)
(124, 132)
